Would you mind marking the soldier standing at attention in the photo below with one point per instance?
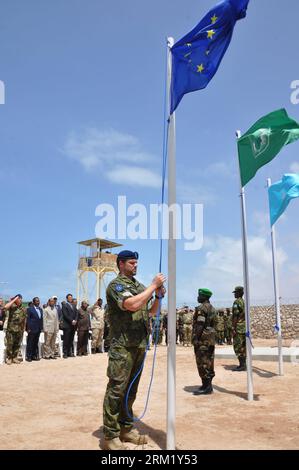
(203, 339)
(15, 328)
(97, 326)
(220, 326)
(187, 326)
(239, 328)
(228, 327)
(129, 309)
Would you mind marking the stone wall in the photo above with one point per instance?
(263, 321)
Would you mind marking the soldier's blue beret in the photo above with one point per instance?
(127, 254)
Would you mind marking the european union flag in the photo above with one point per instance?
(281, 193)
(197, 56)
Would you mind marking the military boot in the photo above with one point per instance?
(242, 365)
(93, 350)
(133, 436)
(206, 388)
(8, 362)
(114, 444)
(16, 360)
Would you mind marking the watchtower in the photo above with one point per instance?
(94, 263)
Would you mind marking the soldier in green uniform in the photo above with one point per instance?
(187, 326)
(239, 328)
(181, 326)
(220, 326)
(203, 339)
(157, 329)
(129, 307)
(228, 326)
(15, 328)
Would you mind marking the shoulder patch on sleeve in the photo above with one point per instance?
(119, 287)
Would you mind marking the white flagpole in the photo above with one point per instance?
(276, 294)
(246, 289)
(171, 321)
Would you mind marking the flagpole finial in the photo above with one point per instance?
(238, 134)
(170, 42)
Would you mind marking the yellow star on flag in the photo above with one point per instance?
(214, 19)
(211, 33)
(200, 68)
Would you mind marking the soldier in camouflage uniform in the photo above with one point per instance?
(15, 328)
(181, 326)
(129, 309)
(157, 329)
(228, 326)
(220, 327)
(187, 326)
(239, 328)
(203, 339)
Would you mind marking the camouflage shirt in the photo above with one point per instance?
(16, 318)
(188, 318)
(130, 329)
(204, 324)
(238, 316)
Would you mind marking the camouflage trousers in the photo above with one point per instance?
(123, 365)
(239, 342)
(13, 340)
(187, 332)
(97, 338)
(154, 336)
(228, 335)
(220, 336)
(205, 360)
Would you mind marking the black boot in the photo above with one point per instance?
(206, 388)
(242, 365)
(93, 351)
(201, 387)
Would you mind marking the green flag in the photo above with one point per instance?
(263, 142)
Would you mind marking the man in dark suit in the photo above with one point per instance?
(34, 326)
(70, 317)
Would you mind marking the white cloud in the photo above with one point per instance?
(222, 269)
(134, 176)
(222, 169)
(195, 194)
(294, 168)
(116, 154)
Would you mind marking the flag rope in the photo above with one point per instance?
(157, 320)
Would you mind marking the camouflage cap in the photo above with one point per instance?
(205, 292)
(238, 289)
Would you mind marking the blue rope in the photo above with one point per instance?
(157, 321)
(276, 328)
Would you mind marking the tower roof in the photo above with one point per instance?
(102, 243)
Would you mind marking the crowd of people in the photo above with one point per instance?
(184, 326)
(52, 319)
(90, 322)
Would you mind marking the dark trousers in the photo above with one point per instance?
(32, 345)
(68, 338)
(82, 341)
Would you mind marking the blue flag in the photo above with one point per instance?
(281, 193)
(197, 56)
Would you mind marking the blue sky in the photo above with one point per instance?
(83, 123)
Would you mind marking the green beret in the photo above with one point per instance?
(238, 289)
(205, 292)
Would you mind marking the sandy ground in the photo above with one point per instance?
(57, 405)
